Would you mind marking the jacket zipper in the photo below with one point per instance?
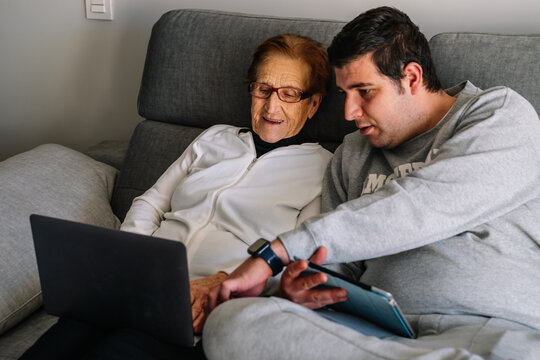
(251, 164)
(219, 193)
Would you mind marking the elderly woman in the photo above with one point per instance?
(234, 185)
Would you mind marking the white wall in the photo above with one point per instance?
(73, 81)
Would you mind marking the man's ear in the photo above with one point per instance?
(316, 100)
(412, 77)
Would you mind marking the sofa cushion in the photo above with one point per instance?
(49, 180)
(489, 60)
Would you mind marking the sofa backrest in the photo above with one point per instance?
(489, 60)
(197, 60)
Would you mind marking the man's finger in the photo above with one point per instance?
(213, 297)
(220, 294)
(319, 298)
(309, 281)
(294, 270)
(319, 256)
(224, 292)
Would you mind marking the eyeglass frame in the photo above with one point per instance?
(303, 95)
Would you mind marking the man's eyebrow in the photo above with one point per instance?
(359, 85)
(356, 85)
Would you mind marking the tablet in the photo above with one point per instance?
(368, 302)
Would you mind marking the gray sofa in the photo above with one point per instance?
(192, 79)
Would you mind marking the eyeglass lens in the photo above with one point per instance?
(286, 94)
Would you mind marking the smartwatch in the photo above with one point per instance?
(261, 248)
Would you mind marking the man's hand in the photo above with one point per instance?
(199, 290)
(300, 289)
(249, 279)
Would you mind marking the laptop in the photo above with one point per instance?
(113, 278)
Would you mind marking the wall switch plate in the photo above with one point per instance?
(99, 9)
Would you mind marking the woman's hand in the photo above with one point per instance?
(300, 289)
(199, 290)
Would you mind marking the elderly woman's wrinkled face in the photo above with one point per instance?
(274, 119)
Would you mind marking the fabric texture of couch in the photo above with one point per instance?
(193, 79)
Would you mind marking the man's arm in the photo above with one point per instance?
(480, 173)
(250, 278)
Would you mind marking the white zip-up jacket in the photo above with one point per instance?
(218, 197)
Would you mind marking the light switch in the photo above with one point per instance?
(99, 9)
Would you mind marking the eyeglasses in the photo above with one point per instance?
(287, 94)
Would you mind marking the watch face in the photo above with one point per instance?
(257, 246)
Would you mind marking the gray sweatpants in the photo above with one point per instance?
(274, 328)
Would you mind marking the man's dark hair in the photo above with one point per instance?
(392, 38)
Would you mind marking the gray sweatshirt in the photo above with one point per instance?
(449, 221)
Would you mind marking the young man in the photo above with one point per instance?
(435, 199)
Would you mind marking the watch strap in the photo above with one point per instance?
(267, 254)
